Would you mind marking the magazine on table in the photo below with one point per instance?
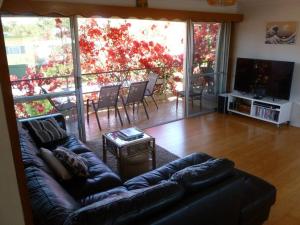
(131, 133)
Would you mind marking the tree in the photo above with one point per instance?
(111, 48)
(58, 63)
(205, 44)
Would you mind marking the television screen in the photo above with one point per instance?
(273, 78)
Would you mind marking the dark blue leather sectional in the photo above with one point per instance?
(195, 190)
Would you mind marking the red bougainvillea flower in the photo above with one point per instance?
(58, 22)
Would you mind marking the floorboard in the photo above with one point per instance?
(257, 147)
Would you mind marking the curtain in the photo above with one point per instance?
(223, 57)
(188, 60)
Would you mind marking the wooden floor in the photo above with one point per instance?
(257, 147)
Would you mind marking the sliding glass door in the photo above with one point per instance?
(40, 61)
(127, 50)
(56, 64)
(202, 88)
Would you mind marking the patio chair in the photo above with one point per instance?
(135, 95)
(196, 89)
(150, 87)
(60, 106)
(108, 97)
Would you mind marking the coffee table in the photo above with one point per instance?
(117, 146)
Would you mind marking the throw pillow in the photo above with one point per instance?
(75, 163)
(47, 130)
(58, 168)
(204, 174)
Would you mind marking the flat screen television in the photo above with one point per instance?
(264, 77)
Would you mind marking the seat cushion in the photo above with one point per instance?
(165, 172)
(90, 199)
(205, 174)
(51, 204)
(126, 207)
(100, 178)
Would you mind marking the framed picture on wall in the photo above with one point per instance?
(281, 32)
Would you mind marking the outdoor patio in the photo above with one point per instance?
(165, 113)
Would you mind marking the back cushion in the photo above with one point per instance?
(165, 172)
(202, 175)
(51, 204)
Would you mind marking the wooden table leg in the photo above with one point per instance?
(104, 148)
(153, 155)
(119, 158)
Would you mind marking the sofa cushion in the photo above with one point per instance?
(74, 144)
(46, 131)
(166, 171)
(55, 164)
(30, 152)
(205, 174)
(125, 208)
(51, 204)
(74, 162)
(100, 178)
(71, 142)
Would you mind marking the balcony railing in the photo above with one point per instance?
(90, 83)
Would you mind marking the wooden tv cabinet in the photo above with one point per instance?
(276, 111)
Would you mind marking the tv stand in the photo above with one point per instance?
(258, 97)
(266, 109)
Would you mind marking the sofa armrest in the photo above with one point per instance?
(125, 208)
(217, 205)
(258, 197)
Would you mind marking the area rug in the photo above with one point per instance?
(162, 155)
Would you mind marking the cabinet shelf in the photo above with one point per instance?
(276, 112)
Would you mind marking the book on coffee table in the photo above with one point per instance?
(131, 133)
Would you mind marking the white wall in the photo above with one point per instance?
(10, 205)
(250, 39)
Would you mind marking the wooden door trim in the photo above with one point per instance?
(46, 8)
(13, 131)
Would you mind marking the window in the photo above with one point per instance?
(39, 54)
(15, 49)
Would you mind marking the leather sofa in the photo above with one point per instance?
(218, 194)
